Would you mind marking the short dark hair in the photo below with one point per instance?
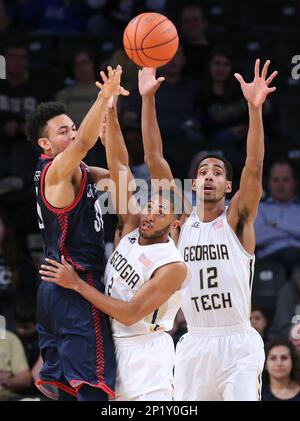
(37, 120)
(227, 164)
(283, 161)
(255, 307)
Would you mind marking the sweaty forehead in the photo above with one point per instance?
(212, 162)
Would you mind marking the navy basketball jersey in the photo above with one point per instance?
(75, 231)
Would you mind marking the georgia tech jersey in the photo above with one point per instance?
(221, 270)
(128, 269)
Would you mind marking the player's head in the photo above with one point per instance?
(159, 216)
(50, 129)
(212, 178)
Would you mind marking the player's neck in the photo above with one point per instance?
(149, 241)
(207, 212)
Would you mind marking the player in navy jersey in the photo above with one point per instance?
(75, 338)
(143, 282)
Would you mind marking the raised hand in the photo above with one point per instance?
(111, 84)
(256, 91)
(148, 84)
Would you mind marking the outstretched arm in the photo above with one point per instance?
(255, 93)
(166, 280)
(152, 141)
(65, 163)
(120, 173)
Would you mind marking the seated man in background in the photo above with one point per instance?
(14, 371)
(277, 226)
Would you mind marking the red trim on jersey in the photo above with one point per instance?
(44, 156)
(77, 384)
(63, 220)
(40, 383)
(77, 199)
(99, 337)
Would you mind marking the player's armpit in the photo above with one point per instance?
(98, 173)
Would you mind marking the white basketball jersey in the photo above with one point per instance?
(128, 269)
(219, 292)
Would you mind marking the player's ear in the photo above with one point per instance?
(194, 184)
(228, 187)
(44, 143)
(175, 224)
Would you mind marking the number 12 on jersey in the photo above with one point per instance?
(207, 277)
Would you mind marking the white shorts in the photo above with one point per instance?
(219, 364)
(145, 367)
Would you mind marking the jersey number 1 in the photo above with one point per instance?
(211, 276)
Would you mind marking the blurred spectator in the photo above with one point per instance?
(26, 328)
(130, 70)
(9, 271)
(282, 380)
(14, 371)
(17, 276)
(259, 321)
(109, 18)
(222, 108)
(277, 225)
(4, 17)
(54, 15)
(79, 98)
(288, 306)
(25, 310)
(194, 42)
(19, 95)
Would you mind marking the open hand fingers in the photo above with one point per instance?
(265, 69)
(48, 269)
(239, 78)
(256, 68)
(271, 77)
(103, 76)
(124, 91)
(53, 263)
(49, 279)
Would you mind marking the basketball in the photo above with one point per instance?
(150, 40)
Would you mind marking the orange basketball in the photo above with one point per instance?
(150, 40)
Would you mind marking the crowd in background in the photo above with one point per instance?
(54, 50)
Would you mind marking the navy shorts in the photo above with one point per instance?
(75, 341)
